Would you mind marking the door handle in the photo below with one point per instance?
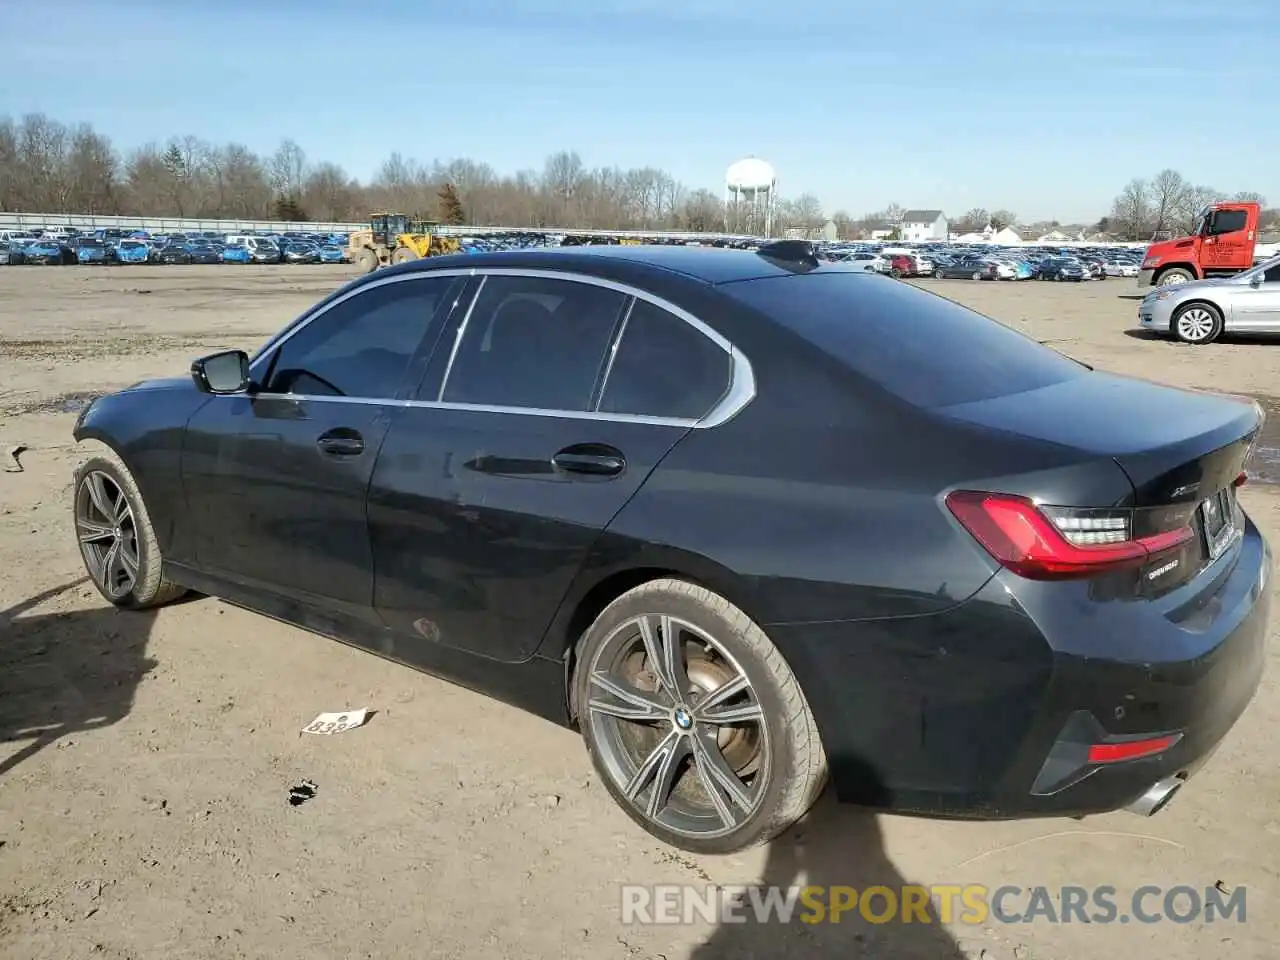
(592, 459)
(341, 442)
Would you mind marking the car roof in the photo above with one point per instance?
(711, 265)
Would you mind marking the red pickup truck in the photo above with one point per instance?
(1223, 243)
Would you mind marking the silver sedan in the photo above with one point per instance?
(1203, 310)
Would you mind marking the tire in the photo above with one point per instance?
(775, 761)
(895, 273)
(1176, 275)
(977, 274)
(106, 501)
(1197, 323)
(937, 274)
(366, 260)
(403, 255)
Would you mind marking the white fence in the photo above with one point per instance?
(89, 221)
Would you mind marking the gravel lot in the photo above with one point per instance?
(145, 759)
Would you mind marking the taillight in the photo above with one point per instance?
(1241, 479)
(1058, 543)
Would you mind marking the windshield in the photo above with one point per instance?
(88, 242)
(132, 245)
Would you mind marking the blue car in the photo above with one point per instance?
(132, 251)
(48, 253)
(89, 250)
(331, 253)
(235, 253)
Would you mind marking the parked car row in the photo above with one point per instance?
(990, 263)
(114, 246)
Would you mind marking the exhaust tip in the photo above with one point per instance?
(1156, 797)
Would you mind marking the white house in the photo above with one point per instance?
(918, 225)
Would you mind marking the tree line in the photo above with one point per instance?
(1169, 205)
(50, 167)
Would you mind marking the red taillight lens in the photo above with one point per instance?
(1241, 480)
(1057, 543)
(1130, 749)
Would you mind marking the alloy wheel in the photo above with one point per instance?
(1195, 324)
(107, 533)
(678, 726)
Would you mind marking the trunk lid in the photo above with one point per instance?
(1181, 450)
(1175, 445)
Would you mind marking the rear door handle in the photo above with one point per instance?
(592, 459)
(341, 442)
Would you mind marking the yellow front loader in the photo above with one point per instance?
(394, 238)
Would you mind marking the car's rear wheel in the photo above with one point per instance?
(114, 532)
(1198, 323)
(694, 721)
(938, 274)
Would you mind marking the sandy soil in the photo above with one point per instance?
(145, 759)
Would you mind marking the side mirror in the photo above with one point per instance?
(226, 372)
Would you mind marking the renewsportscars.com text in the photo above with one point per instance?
(946, 903)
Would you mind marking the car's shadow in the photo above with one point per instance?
(841, 847)
(1137, 333)
(66, 673)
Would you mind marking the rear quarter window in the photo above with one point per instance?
(925, 349)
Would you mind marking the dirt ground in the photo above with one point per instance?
(145, 759)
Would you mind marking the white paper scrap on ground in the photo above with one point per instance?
(330, 723)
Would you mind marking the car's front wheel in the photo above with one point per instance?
(694, 721)
(1198, 323)
(114, 533)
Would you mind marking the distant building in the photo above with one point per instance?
(918, 225)
(881, 229)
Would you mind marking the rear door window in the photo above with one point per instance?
(536, 343)
(920, 347)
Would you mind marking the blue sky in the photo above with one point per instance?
(1043, 107)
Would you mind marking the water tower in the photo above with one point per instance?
(750, 185)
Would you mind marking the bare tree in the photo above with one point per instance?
(11, 172)
(973, 221)
(1191, 204)
(894, 213)
(1131, 214)
(1166, 191)
(288, 169)
(1002, 219)
(845, 225)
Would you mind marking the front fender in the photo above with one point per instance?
(144, 425)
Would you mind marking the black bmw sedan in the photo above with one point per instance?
(746, 520)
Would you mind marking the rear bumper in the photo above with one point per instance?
(978, 711)
(1146, 277)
